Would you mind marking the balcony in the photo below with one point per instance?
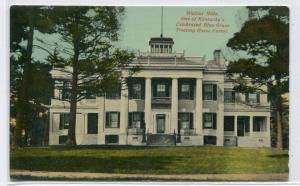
(188, 132)
(135, 131)
(161, 100)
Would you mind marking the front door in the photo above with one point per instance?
(242, 125)
(160, 123)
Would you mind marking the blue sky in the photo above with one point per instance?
(139, 24)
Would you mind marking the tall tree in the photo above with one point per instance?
(265, 39)
(24, 21)
(88, 34)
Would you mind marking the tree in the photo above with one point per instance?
(265, 39)
(88, 34)
(24, 21)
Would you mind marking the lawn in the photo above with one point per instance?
(150, 160)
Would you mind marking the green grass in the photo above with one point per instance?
(151, 160)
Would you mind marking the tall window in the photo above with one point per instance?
(210, 92)
(112, 120)
(136, 119)
(64, 121)
(185, 120)
(228, 123)
(229, 96)
(92, 123)
(259, 124)
(209, 120)
(252, 98)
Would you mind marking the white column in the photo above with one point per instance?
(198, 106)
(174, 106)
(124, 110)
(148, 102)
(251, 126)
(235, 125)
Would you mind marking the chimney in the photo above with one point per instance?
(217, 55)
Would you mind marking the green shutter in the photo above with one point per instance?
(258, 98)
(107, 119)
(130, 119)
(214, 120)
(215, 92)
(61, 120)
(179, 120)
(191, 120)
(203, 120)
(118, 119)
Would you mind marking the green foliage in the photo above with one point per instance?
(90, 33)
(265, 39)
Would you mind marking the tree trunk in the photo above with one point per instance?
(23, 93)
(73, 100)
(73, 103)
(279, 124)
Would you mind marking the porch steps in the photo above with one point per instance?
(160, 140)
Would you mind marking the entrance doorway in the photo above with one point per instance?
(160, 123)
(243, 125)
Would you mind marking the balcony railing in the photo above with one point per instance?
(135, 131)
(188, 132)
(161, 100)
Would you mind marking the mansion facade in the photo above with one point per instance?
(172, 100)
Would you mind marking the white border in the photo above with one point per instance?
(294, 161)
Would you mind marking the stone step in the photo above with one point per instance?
(160, 140)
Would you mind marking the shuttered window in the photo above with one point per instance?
(112, 120)
(209, 120)
(209, 92)
(64, 121)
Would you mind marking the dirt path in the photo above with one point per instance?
(167, 177)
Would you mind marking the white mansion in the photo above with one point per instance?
(172, 100)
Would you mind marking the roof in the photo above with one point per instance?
(161, 40)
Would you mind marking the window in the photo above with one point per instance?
(186, 91)
(229, 96)
(210, 92)
(136, 120)
(209, 120)
(62, 140)
(92, 123)
(112, 120)
(136, 91)
(259, 124)
(115, 93)
(64, 121)
(161, 90)
(252, 98)
(228, 123)
(185, 120)
(210, 140)
(111, 139)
